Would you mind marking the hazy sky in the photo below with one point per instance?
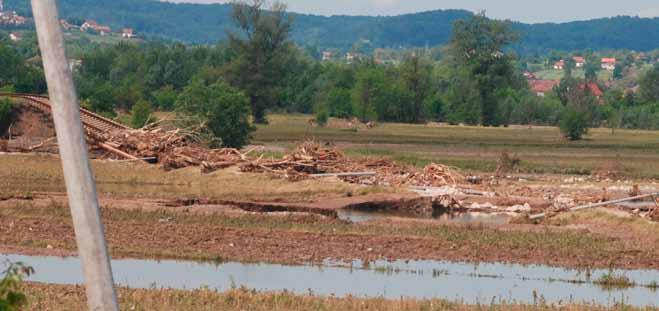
(519, 10)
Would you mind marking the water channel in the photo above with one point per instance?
(468, 283)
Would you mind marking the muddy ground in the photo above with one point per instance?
(39, 224)
(228, 215)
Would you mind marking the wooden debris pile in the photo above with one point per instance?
(174, 150)
(307, 159)
(311, 158)
(171, 149)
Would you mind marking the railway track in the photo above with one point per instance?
(91, 121)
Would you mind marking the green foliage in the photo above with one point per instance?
(6, 114)
(322, 116)
(368, 90)
(339, 103)
(649, 92)
(574, 124)
(11, 298)
(416, 75)
(260, 51)
(480, 70)
(103, 100)
(165, 98)
(141, 114)
(221, 111)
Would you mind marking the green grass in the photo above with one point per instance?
(613, 281)
(60, 297)
(633, 153)
(553, 74)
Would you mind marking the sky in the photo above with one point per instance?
(530, 11)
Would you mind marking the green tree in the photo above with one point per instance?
(477, 47)
(102, 100)
(367, 91)
(141, 114)
(416, 75)
(339, 103)
(6, 115)
(165, 98)
(220, 110)
(649, 91)
(574, 124)
(260, 50)
(618, 72)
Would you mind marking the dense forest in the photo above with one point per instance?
(197, 23)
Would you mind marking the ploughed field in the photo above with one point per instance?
(231, 215)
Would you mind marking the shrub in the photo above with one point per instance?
(574, 124)
(141, 113)
(6, 111)
(219, 110)
(11, 298)
(228, 117)
(322, 116)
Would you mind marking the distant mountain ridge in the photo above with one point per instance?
(207, 23)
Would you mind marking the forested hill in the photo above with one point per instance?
(207, 23)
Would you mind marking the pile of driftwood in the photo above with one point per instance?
(311, 159)
(171, 149)
(175, 150)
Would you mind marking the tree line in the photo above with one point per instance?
(220, 88)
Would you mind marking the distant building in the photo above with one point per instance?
(128, 33)
(559, 65)
(542, 87)
(579, 61)
(11, 18)
(609, 64)
(94, 26)
(16, 36)
(594, 89)
(327, 55)
(530, 75)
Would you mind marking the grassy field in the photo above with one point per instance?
(633, 153)
(30, 173)
(553, 74)
(53, 297)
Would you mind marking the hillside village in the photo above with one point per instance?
(10, 17)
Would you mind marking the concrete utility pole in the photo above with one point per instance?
(80, 185)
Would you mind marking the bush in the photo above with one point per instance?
(6, 111)
(228, 118)
(322, 116)
(10, 297)
(141, 113)
(574, 124)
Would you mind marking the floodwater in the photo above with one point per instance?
(467, 217)
(463, 282)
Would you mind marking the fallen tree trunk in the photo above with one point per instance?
(593, 205)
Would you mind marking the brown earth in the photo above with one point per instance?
(143, 228)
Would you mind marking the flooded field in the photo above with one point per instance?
(468, 283)
(467, 217)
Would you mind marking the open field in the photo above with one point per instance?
(52, 297)
(632, 153)
(553, 74)
(232, 216)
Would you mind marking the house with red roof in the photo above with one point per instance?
(579, 61)
(609, 64)
(542, 87)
